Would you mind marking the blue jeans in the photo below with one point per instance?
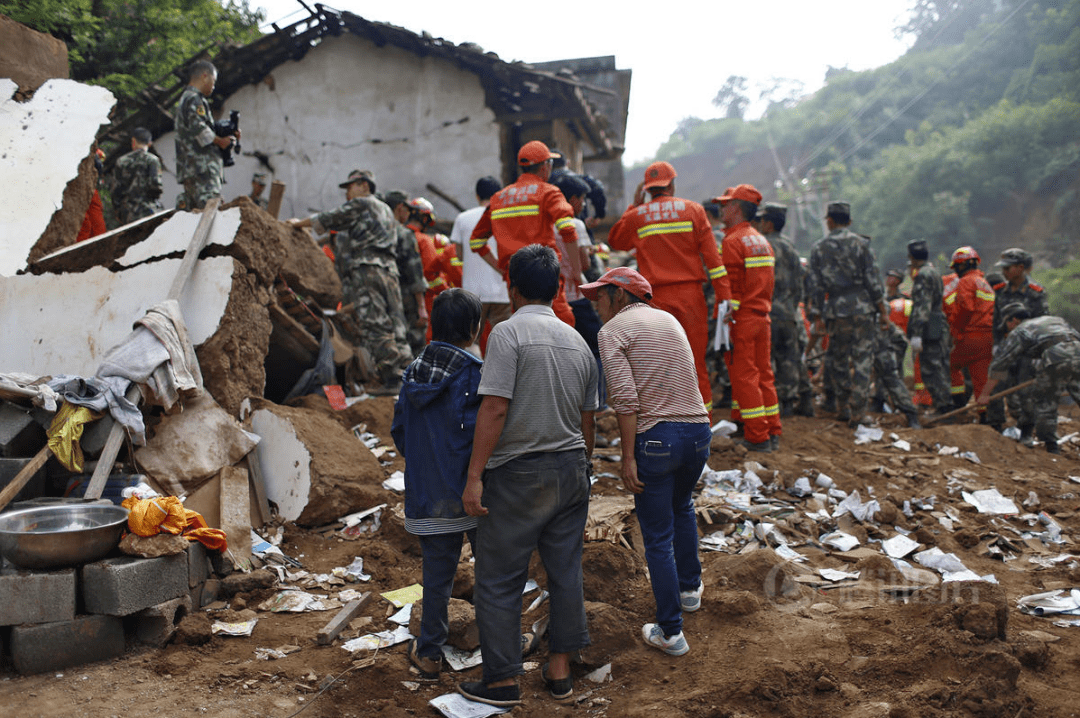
(441, 552)
(670, 457)
(537, 501)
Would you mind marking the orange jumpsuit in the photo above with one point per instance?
(94, 220)
(675, 247)
(969, 308)
(749, 260)
(442, 267)
(521, 214)
(950, 284)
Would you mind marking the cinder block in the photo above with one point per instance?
(198, 564)
(154, 626)
(20, 435)
(35, 485)
(50, 646)
(36, 596)
(123, 585)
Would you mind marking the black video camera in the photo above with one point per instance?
(229, 128)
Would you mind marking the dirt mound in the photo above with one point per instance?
(761, 573)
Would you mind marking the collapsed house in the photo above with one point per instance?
(334, 92)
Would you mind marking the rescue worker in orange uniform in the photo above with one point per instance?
(524, 213)
(749, 261)
(442, 266)
(675, 251)
(969, 307)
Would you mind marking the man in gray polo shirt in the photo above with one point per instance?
(527, 479)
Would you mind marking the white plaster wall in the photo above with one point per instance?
(66, 323)
(176, 233)
(284, 461)
(42, 142)
(316, 124)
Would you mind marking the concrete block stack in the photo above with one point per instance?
(70, 616)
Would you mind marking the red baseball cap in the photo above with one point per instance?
(659, 174)
(623, 277)
(535, 152)
(745, 192)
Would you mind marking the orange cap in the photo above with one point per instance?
(745, 192)
(659, 174)
(535, 152)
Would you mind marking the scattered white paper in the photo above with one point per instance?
(839, 540)
(353, 572)
(460, 660)
(455, 705)
(1068, 623)
(852, 504)
(537, 601)
(403, 616)
(530, 586)
(243, 628)
(949, 450)
(600, 675)
(825, 482)
(899, 546)
(832, 574)
(990, 501)
(382, 639)
(396, 482)
(902, 445)
(294, 601)
(724, 428)
(353, 519)
(1051, 602)
(867, 434)
(788, 554)
(801, 488)
(970, 456)
(715, 541)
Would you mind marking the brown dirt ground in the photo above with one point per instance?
(762, 645)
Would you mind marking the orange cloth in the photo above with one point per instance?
(149, 517)
(970, 305)
(94, 221)
(753, 391)
(900, 312)
(748, 258)
(521, 214)
(674, 244)
(442, 267)
(686, 303)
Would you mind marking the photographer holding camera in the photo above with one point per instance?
(199, 148)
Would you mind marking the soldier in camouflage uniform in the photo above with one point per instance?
(788, 332)
(1015, 288)
(136, 180)
(1052, 348)
(258, 185)
(888, 373)
(365, 260)
(198, 159)
(410, 273)
(928, 329)
(845, 292)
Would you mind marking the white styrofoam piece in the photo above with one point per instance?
(285, 463)
(42, 142)
(66, 323)
(176, 233)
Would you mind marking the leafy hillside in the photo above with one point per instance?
(970, 138)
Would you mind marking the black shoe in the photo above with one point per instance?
(853, 422)
(844, 416)
(764, 447)
(1027, 435)
(560, 689)
(503, 696)
(787, 408)
(877, 406)
(428, 668)
(829, 404)
(805, 407)
(913, 420)
(774, 442)
(1052, 447)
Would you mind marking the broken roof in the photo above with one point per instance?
(515, 91)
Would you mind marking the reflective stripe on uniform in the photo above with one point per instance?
(773, 410)
(564, 222)
(988, 296)
(757, 412)
(718, 272)
(523, 210)
(761, 261)
(665, 228)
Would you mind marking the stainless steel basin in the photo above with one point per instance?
(60, 535)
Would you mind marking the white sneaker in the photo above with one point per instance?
(671, 645)
(691, 600)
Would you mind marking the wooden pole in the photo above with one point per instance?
(23, 476)
(969, 407)
(116, 434)
(277, 191)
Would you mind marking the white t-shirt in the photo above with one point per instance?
(572, 293)
(477, 275)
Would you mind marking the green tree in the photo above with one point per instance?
(125, 45)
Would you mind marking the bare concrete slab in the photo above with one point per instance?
(174, 236)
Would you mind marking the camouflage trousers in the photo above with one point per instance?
(1063, 372)
(934, 365)
(888, 377)
(198, 191)
(849, 360)
(1021, 404)
(376, 298)
(416, 334)
(130, 211)
(788, 345)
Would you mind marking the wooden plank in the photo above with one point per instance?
(258, 488)
(969, 407)
(277, 192)
(293, 327)
(235, 514)
(330, 631)
(112, 448)
(23, 476)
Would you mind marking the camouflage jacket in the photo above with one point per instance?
(366, 234)
(844, 280)
(410, 267)
(196, 153)
(136, 185)
(1031, 295)
(787, 280)
(1047, 340)
(927, 309)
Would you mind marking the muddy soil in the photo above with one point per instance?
(767, 641)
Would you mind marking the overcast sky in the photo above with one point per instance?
(680, 55)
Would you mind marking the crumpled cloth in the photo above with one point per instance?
(166, 514)
(157, 353)
(64, 434)
(101, 396)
